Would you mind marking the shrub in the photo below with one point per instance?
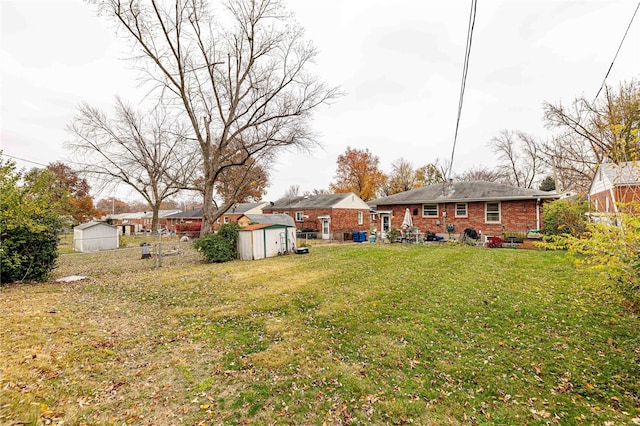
(220, 247)
(393, 234)
(563, 219)
(565, 216)
(614, 249)
(29, 226)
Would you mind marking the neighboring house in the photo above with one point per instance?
(612, 185)
(130, 223)
(238, 214)
(95, 236)
(192, 216)
(258, 241)
(331, 216)
(487, 207)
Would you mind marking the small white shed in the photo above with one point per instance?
(95, 236)
(265, 240)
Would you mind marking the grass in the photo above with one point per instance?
(348, 334)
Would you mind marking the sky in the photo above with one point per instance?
(398, 62)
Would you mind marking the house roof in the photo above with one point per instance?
(92, 224)
(627, 173)
(142, 215)
(463, 192)
(247, 207)
(273, 219)
(310, 201)
(189, 214)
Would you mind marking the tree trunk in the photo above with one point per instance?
(207, 208)
(155, 214)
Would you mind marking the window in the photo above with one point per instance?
(461, 209)
(226, 219)
(430, 210)
(492, 212)
(360, 218)
(299, 216)
(287, 213)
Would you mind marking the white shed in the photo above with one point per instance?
(95, 236)
(265, 240)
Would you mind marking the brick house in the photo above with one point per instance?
(329, 216)
(235, 214)
(131, 223)
(487, 207)
(612, 185)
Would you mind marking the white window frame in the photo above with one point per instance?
(360, 218)
(226, 219)
(437, 211)
(466, 210)
(299, 216)
(493, 212)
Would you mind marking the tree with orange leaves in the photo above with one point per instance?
(358, 172)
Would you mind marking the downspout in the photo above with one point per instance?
(264, 242)
(286, 239)
(538, 214)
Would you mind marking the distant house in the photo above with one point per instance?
(131, 223)
(95, 236)
(613, 185)
(330, 216)
(237, 213)
(488, 207)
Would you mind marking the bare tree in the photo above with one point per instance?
(592, 132)
(145, 151)
(571, 162)
(292, 191)
(240, 78)
(608, 127)
(519, 157)
(482, 174)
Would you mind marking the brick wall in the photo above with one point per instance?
(342, 220)
(515, 216)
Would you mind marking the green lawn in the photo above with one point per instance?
(348, 334)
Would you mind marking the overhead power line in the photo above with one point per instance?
(24, 159)
(604, 80)
(465, 69)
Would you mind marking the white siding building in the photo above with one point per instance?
(95, 236)
(265, 240)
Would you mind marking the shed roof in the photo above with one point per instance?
(274, 219)
(92, 224)
(463, 192)
(256, 226)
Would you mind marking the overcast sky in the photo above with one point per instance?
(398, 61)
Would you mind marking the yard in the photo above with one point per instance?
(348, 334)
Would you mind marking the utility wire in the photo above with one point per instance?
(23, 159)
(617, 51)
(465, 69)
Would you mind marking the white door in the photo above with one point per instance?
(325, 229)
(385, 220)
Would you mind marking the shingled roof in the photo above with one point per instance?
(321, 201)
(462, 192)
(627, 173)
